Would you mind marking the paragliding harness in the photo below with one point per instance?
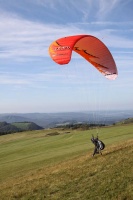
(99, 145)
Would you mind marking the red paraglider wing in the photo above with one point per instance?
(61, 49)
(90, 48)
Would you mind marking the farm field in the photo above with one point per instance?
(57, 164)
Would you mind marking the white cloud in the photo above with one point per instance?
(20, 38)
(105, 7)
(101, 8)
(9, 80)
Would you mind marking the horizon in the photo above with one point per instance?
(86, 111)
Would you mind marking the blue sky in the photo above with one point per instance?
(31, 82)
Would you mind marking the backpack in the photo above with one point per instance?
(101, 145)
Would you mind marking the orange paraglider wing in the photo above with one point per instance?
(90, 48)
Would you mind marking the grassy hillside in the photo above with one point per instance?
(126, 121)
(35, 165)
(27, 126)
(7, 128)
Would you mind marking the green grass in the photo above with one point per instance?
(26, 126)
(34, 165)
(21, 125)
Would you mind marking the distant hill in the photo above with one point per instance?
(50, 120)
(10, 118)
(27, 126)
(126, 121)
(8, 128)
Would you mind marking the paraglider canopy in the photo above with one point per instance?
(87, 46)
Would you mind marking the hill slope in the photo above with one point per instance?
(126, 121)
(27, 126)
(7, 128)
(60, 167)
(82, 178)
